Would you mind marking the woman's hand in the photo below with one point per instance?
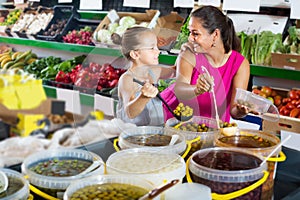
(204, 84)
(149, 90)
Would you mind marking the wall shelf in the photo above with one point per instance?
(86, 99)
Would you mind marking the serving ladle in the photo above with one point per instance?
(179, 118)
(156, 191)
(3, 182)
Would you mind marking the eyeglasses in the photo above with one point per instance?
(148, 48)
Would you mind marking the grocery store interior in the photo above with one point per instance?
(61, 136)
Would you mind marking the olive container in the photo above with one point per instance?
(206, 135)
(258, 142)
(227, 170)
(108, 187)
(157, 138)
(53, 184)
(18, 186)
(156, 167)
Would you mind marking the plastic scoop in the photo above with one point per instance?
(153, 193)
(214, 98)
(274, 150)
(3, 182)
(93, 166)
(180, 118)
(174, 139)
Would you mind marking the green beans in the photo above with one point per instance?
(109, 191)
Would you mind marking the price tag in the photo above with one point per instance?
(215, 3)
(242, 5)
(19, 1)
(72, 99)
(113, 16)
(295, 9)
(104, 104)
(137, 3)
(90, 5)
(64, 1)
(184, 3)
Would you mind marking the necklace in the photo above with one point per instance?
(224, 60)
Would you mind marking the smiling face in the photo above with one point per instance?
(148, 51)
(199, 36)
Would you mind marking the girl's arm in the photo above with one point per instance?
(135, 105)
(240, 80)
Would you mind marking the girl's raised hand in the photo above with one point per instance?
(149, 90)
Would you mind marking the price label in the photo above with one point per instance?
(19, 1)
(113, 16)
(184, 3)
(90, 5)
(215, 3)
(242, 5)
(137, 3)
(72, 99)
(295, 9)
(64, 1)
(104, 104)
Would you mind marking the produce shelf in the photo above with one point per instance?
(255, 70)
(274, 72)
(85, 99)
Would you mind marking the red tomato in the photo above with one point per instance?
(290, 106)
(293, 94)
(267, 90)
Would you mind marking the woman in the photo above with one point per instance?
(138, 104)
(214, 45)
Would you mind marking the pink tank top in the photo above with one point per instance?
(203, 105)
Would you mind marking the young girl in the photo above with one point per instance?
(138, 104)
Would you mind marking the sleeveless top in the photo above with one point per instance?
(203, 105)
(152, 114)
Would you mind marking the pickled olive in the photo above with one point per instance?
(198, 128)
(253, 141)
(182, 110)
(14, 185)
(227, 161)
(109, 191)
(150, 139)
(60, 168)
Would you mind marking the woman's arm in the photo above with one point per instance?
(135, 105)
(184, 68)
(240, 80)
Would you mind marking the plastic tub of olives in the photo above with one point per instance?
(108, 187)
(156, 167)
(18, 187)
(157, 138)
(52, 171)
(204, 127)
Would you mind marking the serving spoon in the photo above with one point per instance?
(180, 118)
(156, 191)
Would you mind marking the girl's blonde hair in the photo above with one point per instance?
(131, 40)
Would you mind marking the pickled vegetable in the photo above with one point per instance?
(60, 167)
(149, 139)
(247, 141)
(109, 191)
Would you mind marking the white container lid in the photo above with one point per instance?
(23, 192)
(188, 191)
(53, 182)
(144, 131)
(157, 167)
